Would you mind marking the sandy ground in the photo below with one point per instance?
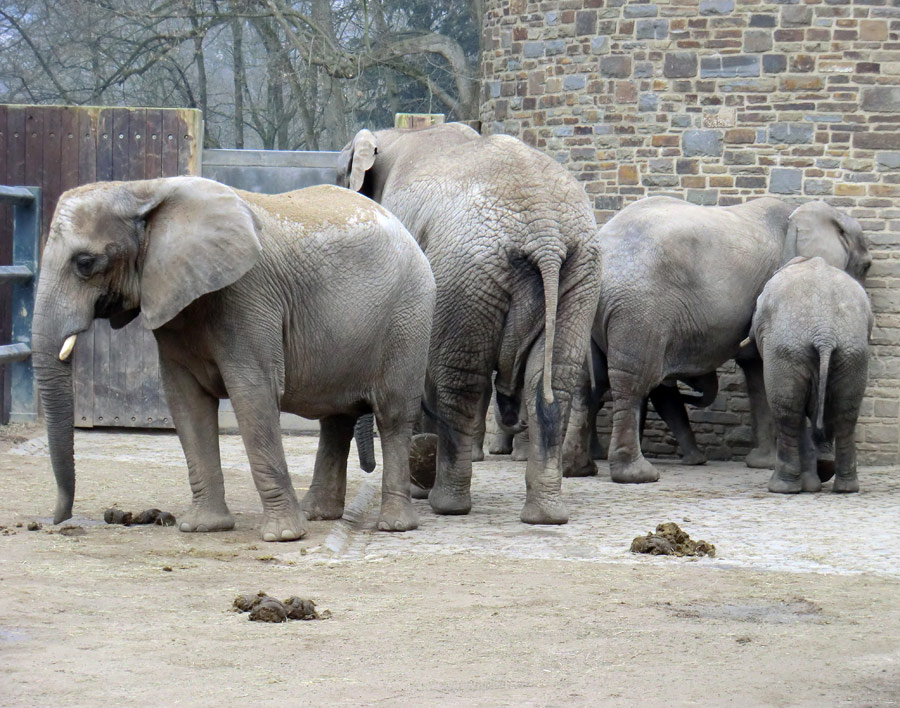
(800, 608)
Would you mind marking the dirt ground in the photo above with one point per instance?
(801, 606)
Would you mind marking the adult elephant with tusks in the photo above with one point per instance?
(316, 302)
(679, 285)
(511, 238)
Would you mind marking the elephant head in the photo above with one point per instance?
(117, 249)
(355, 161)
(818, 229)
(366, 163)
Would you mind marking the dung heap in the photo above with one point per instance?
(670, 540)
(265, 608)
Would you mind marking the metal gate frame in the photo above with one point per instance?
(23, 274)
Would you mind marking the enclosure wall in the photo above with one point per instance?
(720, 101)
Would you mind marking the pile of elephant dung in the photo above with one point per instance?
(423, 460)
(670, 540)
(148, 516)
(265, 608)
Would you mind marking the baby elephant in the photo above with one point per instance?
(811, 326)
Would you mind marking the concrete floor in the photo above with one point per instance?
(722, 502)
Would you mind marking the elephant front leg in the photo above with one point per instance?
(667, 402)
(763, 455)
(256, 409)
(328, 489)
(195, 414)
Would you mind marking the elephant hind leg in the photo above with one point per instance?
(788, 385)
(627, 463)
(543, 471)
(328, 489)
(395, 424)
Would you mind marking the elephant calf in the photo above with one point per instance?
(316, 302)
(812, 324)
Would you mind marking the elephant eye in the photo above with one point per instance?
(84, 264)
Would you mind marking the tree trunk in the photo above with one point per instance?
(237, 35)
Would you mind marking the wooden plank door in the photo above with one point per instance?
(116, 373)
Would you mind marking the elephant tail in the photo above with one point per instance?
(824, 361)
(549, 265)
(364, 433)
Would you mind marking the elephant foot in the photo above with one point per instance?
(549, 511)
(694, 457)
(501, 445)
(417, 492)
(477, 454)
(845, 485)
(760, 459)
(397, 514)
(580, 468)
(809, 482)
(321, 506)
(825, 469)
(519, 455)
(783, 485)
(204, 519)
(638, 472)
(444, 501)
(287, 526)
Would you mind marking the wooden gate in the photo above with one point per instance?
(59, 147)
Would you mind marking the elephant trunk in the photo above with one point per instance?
(50, 328)
(54, 379)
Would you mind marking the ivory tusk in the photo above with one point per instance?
(67, 347)
(745, 343)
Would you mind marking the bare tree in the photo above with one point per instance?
(275, 73)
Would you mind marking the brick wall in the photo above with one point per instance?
(719, 101)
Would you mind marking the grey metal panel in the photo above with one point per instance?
(26, 242)
(270, 171)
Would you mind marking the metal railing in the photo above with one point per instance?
(22, 274)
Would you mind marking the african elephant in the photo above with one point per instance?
(317, 302)
(812, 326)
(678, 288)
(511, 238)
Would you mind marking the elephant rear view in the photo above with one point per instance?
(317, 302)
(511, 238)
(812, 325)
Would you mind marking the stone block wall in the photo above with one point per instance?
(719, 101)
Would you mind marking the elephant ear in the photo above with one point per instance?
(356, 159)
(818, 229)
(198, 237)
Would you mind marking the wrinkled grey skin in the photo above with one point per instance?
(511, 238)
(812, 326)
(679, 284)
(317, 302)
